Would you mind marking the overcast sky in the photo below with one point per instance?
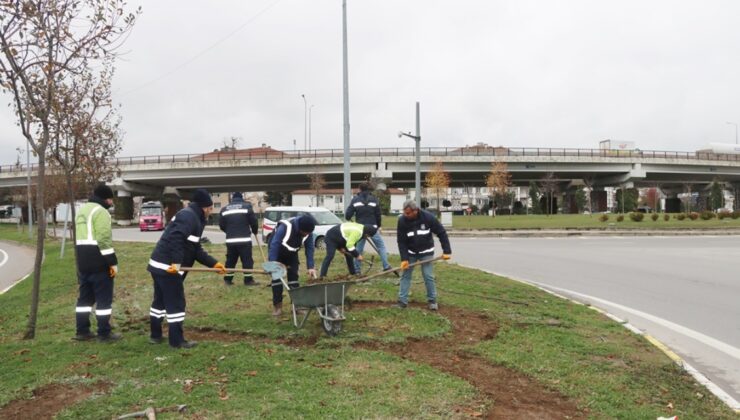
(664, 74)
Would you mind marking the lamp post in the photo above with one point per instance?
(417, 153)
(345, 97)
(309, 126)
(305, 112)
(735, 124)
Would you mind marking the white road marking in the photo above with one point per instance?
(5, 259)
(702, 338)
(11, 286)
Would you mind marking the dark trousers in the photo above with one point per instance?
(233, 254)
(290, 259)
(95, 289)
(168, 302)
(331, 249)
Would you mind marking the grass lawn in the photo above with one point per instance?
(576, 221)
(497, 348)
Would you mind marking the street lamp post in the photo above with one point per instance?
(417, 153)
(345, 100)
(735, 124)
(309, 126)
(305, 112)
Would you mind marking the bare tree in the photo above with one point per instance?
(44, 44)
(317, 183)
(85, 135)
(498, 181)
(549, 187)
(437, 180)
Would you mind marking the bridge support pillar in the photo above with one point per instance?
(172, 203)
(124, 208)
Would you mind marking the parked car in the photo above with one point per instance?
(6, 211)
(325, 220)
(151, 216)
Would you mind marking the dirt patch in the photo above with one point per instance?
(515, 395)
(50, 399)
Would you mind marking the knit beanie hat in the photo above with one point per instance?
(202, 198)
(103, 191)
(237, 195)
(306, 223)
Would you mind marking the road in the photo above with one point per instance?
(682, 290)
(15, 263)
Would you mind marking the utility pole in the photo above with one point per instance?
(345, 73)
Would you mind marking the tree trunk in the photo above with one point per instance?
(41, 237)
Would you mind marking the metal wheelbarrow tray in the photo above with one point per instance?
(328, 301)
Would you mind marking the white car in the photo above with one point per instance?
(325, 220)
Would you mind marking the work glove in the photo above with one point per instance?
(174, 268)
(221, 268)
(404, 265)
(446, 256)
(359, 258)
(113, 270)
(312, 273)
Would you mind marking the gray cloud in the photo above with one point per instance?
(515, 73)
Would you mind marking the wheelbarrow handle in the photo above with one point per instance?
(390, 270)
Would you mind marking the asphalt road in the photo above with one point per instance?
(15, 263)
(683, 290)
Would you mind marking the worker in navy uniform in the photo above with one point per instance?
(290, 235)
(178, 246)
(239, 223)
(97, 265)
(365, 208)
(344, 238)
(416, 243)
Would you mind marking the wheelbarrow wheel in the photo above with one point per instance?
(331, 328)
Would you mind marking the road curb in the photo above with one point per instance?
(566, 233)
(731, 402)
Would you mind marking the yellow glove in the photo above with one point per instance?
(404, 265)
(446, 256)
(221, 267)
(113, 270)
(174, 268)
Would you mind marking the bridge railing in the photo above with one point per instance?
(440, 152)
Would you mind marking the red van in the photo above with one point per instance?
(151, 216)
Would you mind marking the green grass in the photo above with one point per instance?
(575, 221)
(583, 355)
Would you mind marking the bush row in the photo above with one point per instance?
(705, 215)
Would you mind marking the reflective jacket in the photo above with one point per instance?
(365, 208)
(94, 238)
(287, 238)
(415, 236)
(345, 236)
(238, 222)
(180, 242)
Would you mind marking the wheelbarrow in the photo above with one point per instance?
(326, 298)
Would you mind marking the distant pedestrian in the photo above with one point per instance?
(178, 246)
(365, 209)
(416, 243)
(344, 237)
(290, 235)
(97, 265)
(239, 223)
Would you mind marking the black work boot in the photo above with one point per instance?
(109, 338)
(84, 336)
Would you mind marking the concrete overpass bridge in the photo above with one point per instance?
(250, 170)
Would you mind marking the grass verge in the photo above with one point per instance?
(267, 368)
